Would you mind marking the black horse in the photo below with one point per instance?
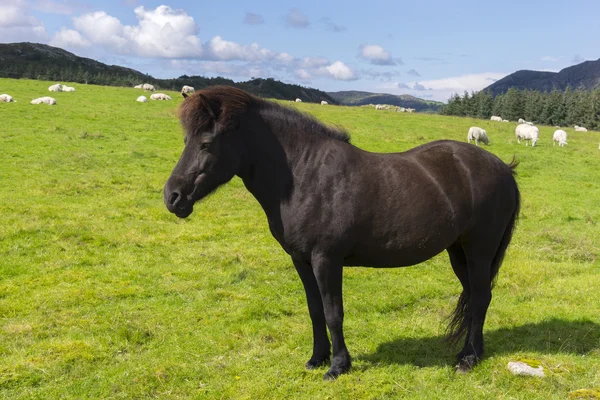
(330, 204)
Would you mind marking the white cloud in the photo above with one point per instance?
(313, 62)
(69, 38)
(442, 89)
(220, 49)
(296, 19)
(162, 33)
(376, 54)
(337, 70)
(340, 71)
(16, 25)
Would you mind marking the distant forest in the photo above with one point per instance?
(558, 108)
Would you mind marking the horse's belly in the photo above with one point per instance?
(394, 257)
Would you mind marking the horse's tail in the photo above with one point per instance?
(460, 319)
(508, 232)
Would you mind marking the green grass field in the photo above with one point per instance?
(105, 294)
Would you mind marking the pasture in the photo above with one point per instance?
(105, 294)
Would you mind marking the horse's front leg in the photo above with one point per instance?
(329, 278)
(321, 346)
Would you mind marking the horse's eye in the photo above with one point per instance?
(204, 146)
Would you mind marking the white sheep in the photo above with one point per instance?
(187, 89)
(142, 99)
(559, 137)
(580, 129)
(410, 110)
(298, 100)
(44, 100)
(140, 86)
(159, 96)
(324, 103)
(380, 107)
(505, 120)
(477, 134)
(147, 86)
(55, 88)
(67, 88)
(496, 118)
(528, 133)
(7, 98)
(521, 121)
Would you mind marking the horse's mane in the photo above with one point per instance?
(226, 105)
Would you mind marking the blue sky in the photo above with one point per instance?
(427, 48)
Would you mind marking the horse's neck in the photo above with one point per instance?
(275, 155)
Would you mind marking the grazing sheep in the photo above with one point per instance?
(187, 89)
(521, 121)
(298, 100)
(44, 100)
(496, 118)
(159, 96)
(324, 103)
(505, 120)
(401, 109)
(559, 137)
(477, 134)
(140, 86)
(580, 129)
(55, 88)
(68, 88)
(410, 110)
(380, 107)
(142, 99)
(6, 98)
(528, 133)
(147, 86)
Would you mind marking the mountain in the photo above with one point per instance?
(43, 62)
(585, 75)
(357, 98)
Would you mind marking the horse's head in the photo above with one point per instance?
(213, 148)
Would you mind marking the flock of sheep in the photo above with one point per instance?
(41, 100)
(159, 96)
(524, 131)
(6, 98)
(323, 102)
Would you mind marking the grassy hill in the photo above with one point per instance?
(105, 294)
(585, 76)
(358, 98)
(40, 61)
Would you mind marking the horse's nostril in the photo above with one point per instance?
(174, 198)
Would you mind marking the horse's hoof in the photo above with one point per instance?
(316, 363)
(335, 372)
(465, 364)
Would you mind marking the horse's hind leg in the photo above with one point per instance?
(321, 346)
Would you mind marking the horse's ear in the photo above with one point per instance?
(212, 109)
(184, 95)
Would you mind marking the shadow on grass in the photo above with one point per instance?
(548, 337)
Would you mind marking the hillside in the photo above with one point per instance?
(585, 75)
(358, 98)
(43, 62)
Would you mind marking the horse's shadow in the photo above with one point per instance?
(548, 337)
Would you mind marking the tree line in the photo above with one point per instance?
(557, 108)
